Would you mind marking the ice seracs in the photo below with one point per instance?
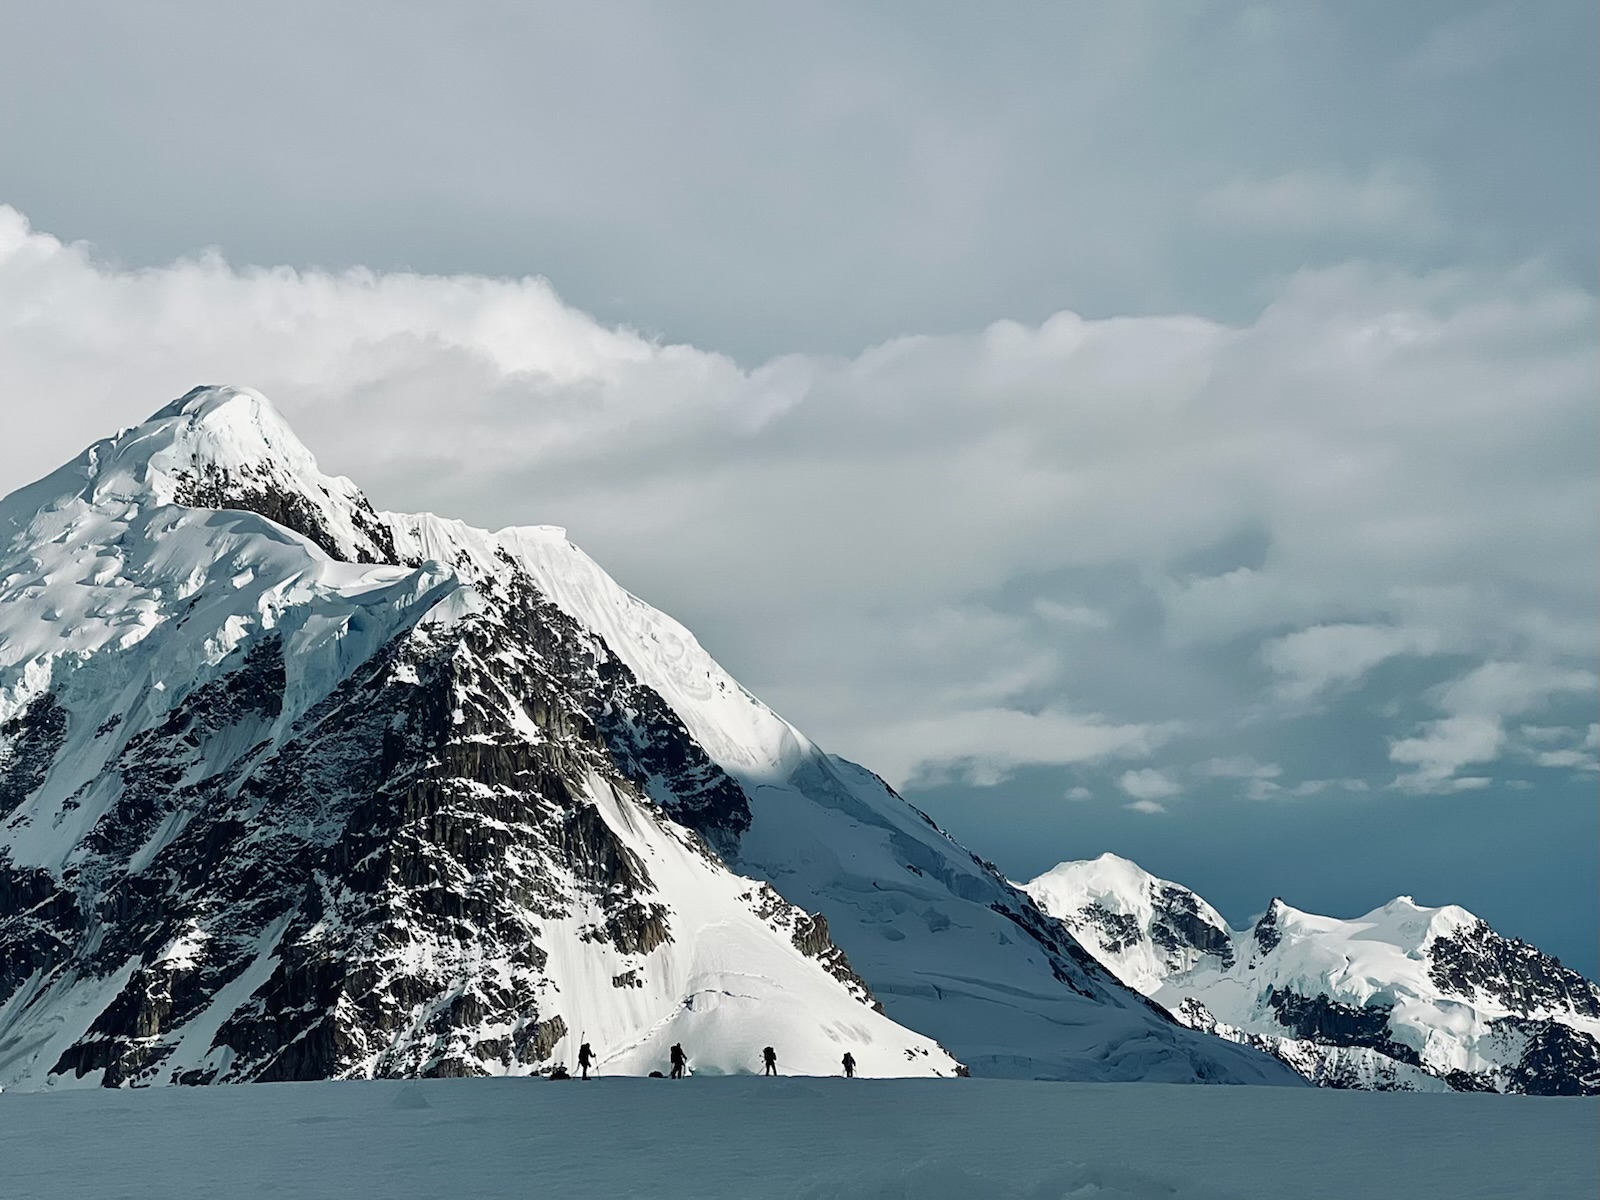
(290, 788)
(1404, 997)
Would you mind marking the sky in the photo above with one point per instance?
(1159, 428)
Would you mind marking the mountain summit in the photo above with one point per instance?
(291, 789)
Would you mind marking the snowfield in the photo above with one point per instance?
(792, 1139)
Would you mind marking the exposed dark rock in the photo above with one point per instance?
(1469, 1081)
(384, 816)
(633, 928)
(256, 490)
(1556, 1059)
(1319, 1019)
(1476, 961)
(652, 747)
(40, 920)
(1267, 933)
(29, 743)
(1117, 931)
(1177, 924)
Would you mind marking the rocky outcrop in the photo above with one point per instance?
(1179, 925)
(260, 490)
(1328, 1023)
(1477, 961)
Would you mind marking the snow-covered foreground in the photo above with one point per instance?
(792, 1138)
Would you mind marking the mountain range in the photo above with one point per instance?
(1404, 998)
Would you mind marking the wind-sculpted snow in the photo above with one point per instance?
(293, 789)
(1403, 998)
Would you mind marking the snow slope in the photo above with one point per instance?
(1402, 997)
(793, 1139)
(293, 789)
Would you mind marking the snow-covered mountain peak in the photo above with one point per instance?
(1143, 927)
(1109, 874)
(290, 788)
(214, 447)
(1404, 996)
(1409, 925)
(227, 428)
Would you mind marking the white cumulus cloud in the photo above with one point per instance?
(1147, 785)
(1473, 733)
(1310, 661)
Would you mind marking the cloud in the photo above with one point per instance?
(1510, 688)
(1473, 733)
(1146, 806)
(1543, 745)
(983, 747)
(1260, 779)
(1390, 201)
(1237, 767)
(1312, 660)
(1071, 614)
(906, 549)
(1445, 747)
(1577, 760)
(1146, 785)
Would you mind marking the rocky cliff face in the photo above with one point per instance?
(1403, 998)
(293, 789)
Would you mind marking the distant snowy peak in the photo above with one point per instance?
(1144, 928)
(1405, 996)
